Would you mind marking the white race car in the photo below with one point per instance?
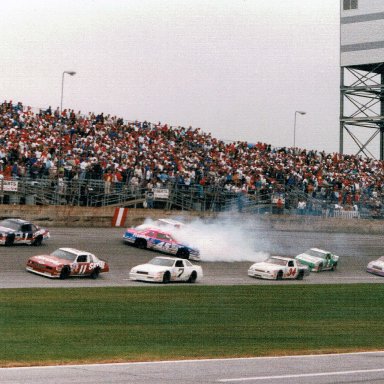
(278, 268)
(376, 266)
(164, 269)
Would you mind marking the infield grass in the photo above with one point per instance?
(83, 325)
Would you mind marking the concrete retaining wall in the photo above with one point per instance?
(68, 216)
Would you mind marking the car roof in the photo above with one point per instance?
(171, 222)
(18, 221)
(319, 250)
(282, 258)
(167, 258)
(75, 251)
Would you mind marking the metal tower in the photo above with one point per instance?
(362, 73)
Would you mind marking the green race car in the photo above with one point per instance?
(318, 260)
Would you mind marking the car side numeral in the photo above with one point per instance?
(292, 272)
(181, 271)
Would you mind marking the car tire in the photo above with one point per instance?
(10, 239)
(279, 275)
(300, 275)
(166, 277)
(193, 277)
(141, 243)
(95, 273)
(334, 267)
(183, 253)
(65, 272)
(320, 267)
(38, 241)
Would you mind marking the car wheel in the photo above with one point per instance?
(10, 239)
(166, 277)
(320, 267)
(300, 276)
(95, 273)
(334, 267)
(65, 272)
(183, 253)
(38, 241)
(279, 275)
(141, 243)
(193, 277)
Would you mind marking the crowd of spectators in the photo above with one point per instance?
(68, 145)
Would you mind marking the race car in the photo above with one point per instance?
(318, 260)
(17, 231)
(65, 262)
(166, 269)
(376, 266)
(278, 268)
(161, 241)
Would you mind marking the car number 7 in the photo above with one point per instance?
(181, 271)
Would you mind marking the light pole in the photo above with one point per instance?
(71, 73)
(294, 126)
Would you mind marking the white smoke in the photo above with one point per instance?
(222, 239)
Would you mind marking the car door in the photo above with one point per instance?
(25, 234)
(291, 270)
(81, 266)
(179, 271)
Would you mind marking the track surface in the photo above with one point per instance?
(355, 252)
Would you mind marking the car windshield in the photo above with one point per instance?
(273, 260)
(64, 254)
(312, 252)
(9, 224)
(162, 261)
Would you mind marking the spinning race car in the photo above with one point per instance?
(318, 260)
(158, 240)
(17, 231)
(167, 269)
(278, 268)
(65, 262)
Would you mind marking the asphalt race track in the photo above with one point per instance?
(317, 369)
(355, 251)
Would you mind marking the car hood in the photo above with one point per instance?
(50, 260)
(378, 263)
(150, 268)
(6, 230)
(266, 266)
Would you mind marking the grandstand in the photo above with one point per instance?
(48, 157)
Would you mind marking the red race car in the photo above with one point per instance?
(65, 262)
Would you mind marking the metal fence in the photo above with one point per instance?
(92, 193)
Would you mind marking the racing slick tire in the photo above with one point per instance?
(334, 267)
(300, 275)
(95, 273)
(141, 243)
(10, 239)
(166, 277)
(38, 241)
(65, 272)
(183, 253)
(320, 267)
(279, 275)
(193, 277)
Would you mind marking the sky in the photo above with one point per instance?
(236, 68)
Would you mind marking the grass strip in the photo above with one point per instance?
(84, 325)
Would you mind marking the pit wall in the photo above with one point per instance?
(68, 216)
